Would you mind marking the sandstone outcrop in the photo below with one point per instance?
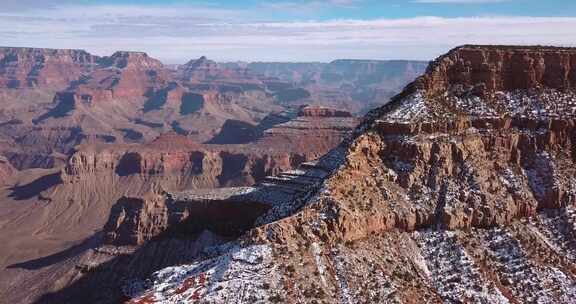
(131, 60)
(124, 75)
(452, 194)
(194, 167)
(486, 70)
(136, 220)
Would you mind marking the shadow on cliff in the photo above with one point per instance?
(36, 187)
(103, 283)
(65, 104)
(183, 243)
(52, 259)
(236, 132)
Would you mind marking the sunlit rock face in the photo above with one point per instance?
(461, 189)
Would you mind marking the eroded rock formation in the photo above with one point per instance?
(29, 68)
(134, 221)
(455, 194)
(102, 141)
(487, 70)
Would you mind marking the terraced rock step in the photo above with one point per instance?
(274, 198)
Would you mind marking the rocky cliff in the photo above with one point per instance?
(183, 167)
(124, 75)
(30, 68)
(135, 220)
(487, 70)
(454, 196)
(110, 125)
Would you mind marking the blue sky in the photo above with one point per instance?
(285, 30)
(355, 9)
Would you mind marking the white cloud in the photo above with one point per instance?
(18, 5)
(176, 34)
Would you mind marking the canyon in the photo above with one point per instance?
(83, 138)
(461, 189)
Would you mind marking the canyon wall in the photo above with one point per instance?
(492, 69)
(444, 191)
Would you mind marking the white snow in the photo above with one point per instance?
(317, 252)
(239, 275)
(409, 109)
(338, 262)
(529, 282)
(452, 272)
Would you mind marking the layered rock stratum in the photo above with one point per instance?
(104, 156)
(461, 190)
(54, 100)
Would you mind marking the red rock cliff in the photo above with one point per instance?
(29, 67)
(494, 68)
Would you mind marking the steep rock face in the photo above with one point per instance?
(30, 68)
(131, 60)
(274, 197)
(199, 69)
(124, 75)
(487, 70)
(136, 220)
(195, 167)
(459, 161)
(440, 195)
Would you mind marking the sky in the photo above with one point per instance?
(284, 30)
